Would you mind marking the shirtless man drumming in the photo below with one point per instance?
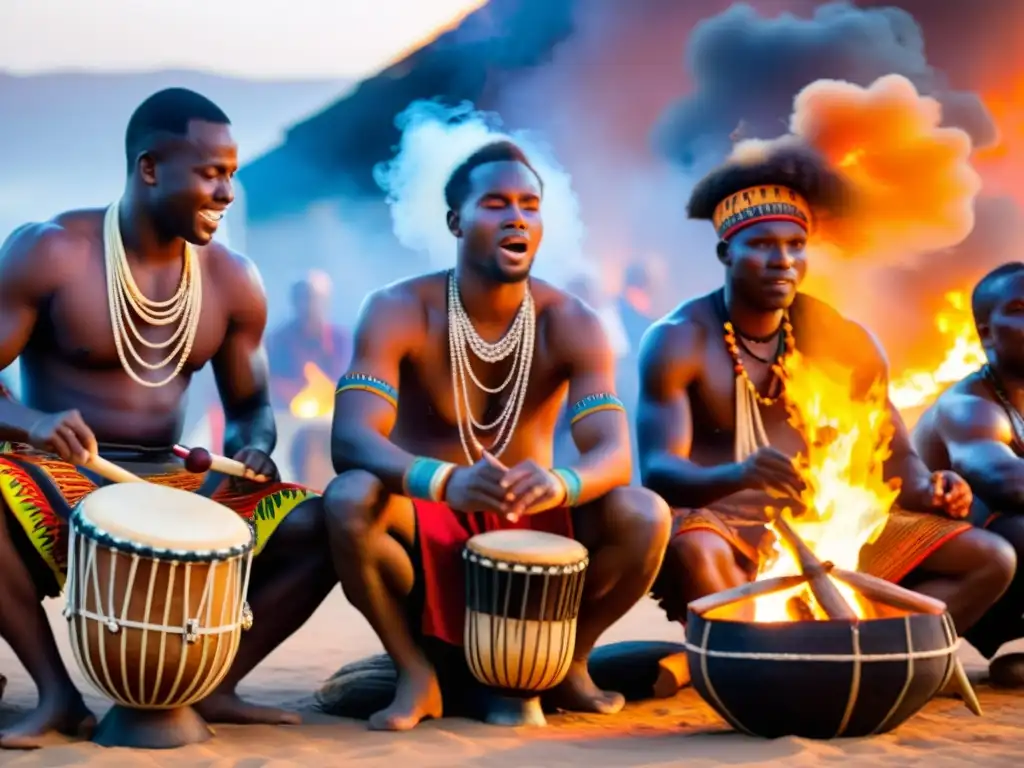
(416, 477)
(976, 429)
(716, 457)
(100, 378)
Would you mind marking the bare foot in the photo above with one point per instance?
(58, 715)
(578, 693)
(418, 697)
(228, 708)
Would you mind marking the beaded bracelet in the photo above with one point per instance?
(366, 383)
(601, 401)
(427, 478)
(573, 485)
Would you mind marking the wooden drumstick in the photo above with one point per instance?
(200, 460)
(111, 471)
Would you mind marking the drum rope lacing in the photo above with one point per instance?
(124, 295)
(463, 338)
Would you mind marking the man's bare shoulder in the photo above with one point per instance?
(565, 312)
(49, 251)
(405, 303)
(969, 409)
(681, 334)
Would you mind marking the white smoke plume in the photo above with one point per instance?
(435, 139)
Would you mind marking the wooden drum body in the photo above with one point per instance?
(157, 581)
(523, 594)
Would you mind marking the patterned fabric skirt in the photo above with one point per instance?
(40, 491)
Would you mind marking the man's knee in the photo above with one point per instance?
(700, 551)
(1001, 558)
(638, 517)
(352, 503)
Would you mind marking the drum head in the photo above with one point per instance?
(528, 547)
(163, 518)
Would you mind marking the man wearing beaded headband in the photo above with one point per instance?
(714, 437)
(441, 433)
(976, 429)
(105, 369)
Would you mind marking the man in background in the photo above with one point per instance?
(308, 337)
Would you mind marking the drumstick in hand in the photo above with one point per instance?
(200, 460)
(111, 471)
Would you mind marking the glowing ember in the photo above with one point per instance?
(847, 500)
(316, 399)
(919, 388)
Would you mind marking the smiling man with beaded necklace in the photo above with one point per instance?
(714, 437)
(440, 433)
(106, 360)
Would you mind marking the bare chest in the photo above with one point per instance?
(441, 387)
(713, 404)
(80, 323)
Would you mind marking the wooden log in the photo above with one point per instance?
(673, 675)
(746, 591)
(632, 667)
(883, 591)
(825, 592)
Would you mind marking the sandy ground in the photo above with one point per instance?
(658, 733)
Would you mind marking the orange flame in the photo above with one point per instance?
(846, 499)
(316, 399)
(920, 387)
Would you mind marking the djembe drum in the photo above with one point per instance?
(523, 593)
(157, 581)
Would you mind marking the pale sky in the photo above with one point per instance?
(250, 38)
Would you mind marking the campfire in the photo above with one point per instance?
(813, 647)
(316, 399)
(846, 501)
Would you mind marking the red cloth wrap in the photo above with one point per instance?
(442, 535)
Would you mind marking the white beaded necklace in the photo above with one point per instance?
(463, 337)
(123, 296)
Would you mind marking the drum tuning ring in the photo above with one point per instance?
(113, 627)
(247, 617)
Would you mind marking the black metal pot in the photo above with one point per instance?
(820, 679)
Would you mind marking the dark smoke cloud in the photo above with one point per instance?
(746, 70)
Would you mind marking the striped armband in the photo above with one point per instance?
(573, 485)
(365, 383)
(602, 401)
(427, 478)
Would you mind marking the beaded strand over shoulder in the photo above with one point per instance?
(463, 338)
(124, 296)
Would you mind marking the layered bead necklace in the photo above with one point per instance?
(463, 339)
(124, 297)
(749, 430)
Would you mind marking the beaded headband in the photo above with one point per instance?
(768, 202)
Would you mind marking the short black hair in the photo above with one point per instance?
(456, 190)
(988, 291)
(167, 112)
(796, 166)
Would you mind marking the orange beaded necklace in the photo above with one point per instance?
(787, 344)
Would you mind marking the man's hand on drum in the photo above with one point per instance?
(478, 488)
(534, 489)
(261, 468)
(66, 435)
